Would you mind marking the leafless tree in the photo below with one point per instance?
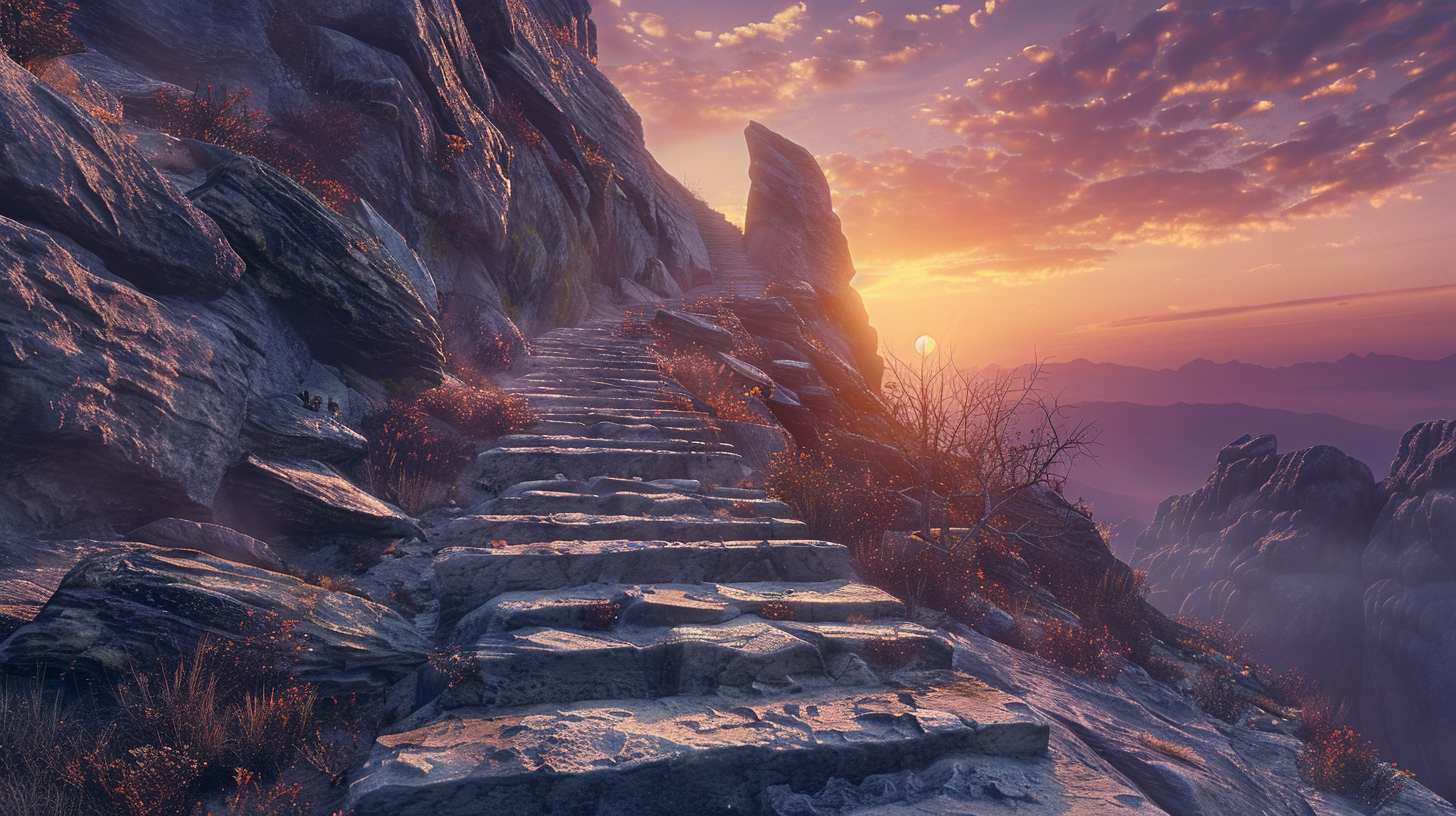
(979, 442)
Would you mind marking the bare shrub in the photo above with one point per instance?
(33, 32)
(978, 442)
(838, 501)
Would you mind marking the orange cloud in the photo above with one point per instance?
(1185, 130)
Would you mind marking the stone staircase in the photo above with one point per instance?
(633, 629)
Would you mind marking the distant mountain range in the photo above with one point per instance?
(1376, 389)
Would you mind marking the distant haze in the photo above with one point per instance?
(1161, 430)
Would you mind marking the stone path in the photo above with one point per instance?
(634, 630)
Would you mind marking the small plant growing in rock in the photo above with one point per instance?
(600, 616)
(1215, 695)
(888, 653)
(34, 32)
(774, 610)
(457, 668)
(449, 149)
(1343, 762)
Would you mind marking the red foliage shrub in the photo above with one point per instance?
(33, 32)
(457, 667)
(1215, 695)
(411, 462)
(888, 653)
(729, 395)
(449, 149)
(484, 411)
(1343, 762)
(228, 121)
(209, 116)
(253, 798)
(511, 116)
(1085, 651)
(600, 616)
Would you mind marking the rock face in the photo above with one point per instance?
(62, 169)
(1410, 609)
(132, 607)
(342, 288)
(792, 232)
(128, 406)
(1350, 583)
(1271, 546)
(295, 495)
(220, 542)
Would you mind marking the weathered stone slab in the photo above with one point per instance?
(465, 578)
(475, 531)
(677, 755)
(118, 609)
(554, 665)
(601, 606)
(507, 466)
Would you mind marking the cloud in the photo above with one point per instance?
(783, 25)
(1234, 311)
(1206, 121)
(687, 84)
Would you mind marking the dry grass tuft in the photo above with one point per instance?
(1182, 753)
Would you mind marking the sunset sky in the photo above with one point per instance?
(1129, 181)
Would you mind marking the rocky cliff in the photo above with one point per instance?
(1330, 574)
(257, 253)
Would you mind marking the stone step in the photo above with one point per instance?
(611, 430)
(563, 365)
(559, 666)
(546, 402)
(555, 502)
(549, 665)
(709, 756)
(477, 531)
(467, 577)
(503, 467)
(596, 607)
(606, 485)
(589, 443)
